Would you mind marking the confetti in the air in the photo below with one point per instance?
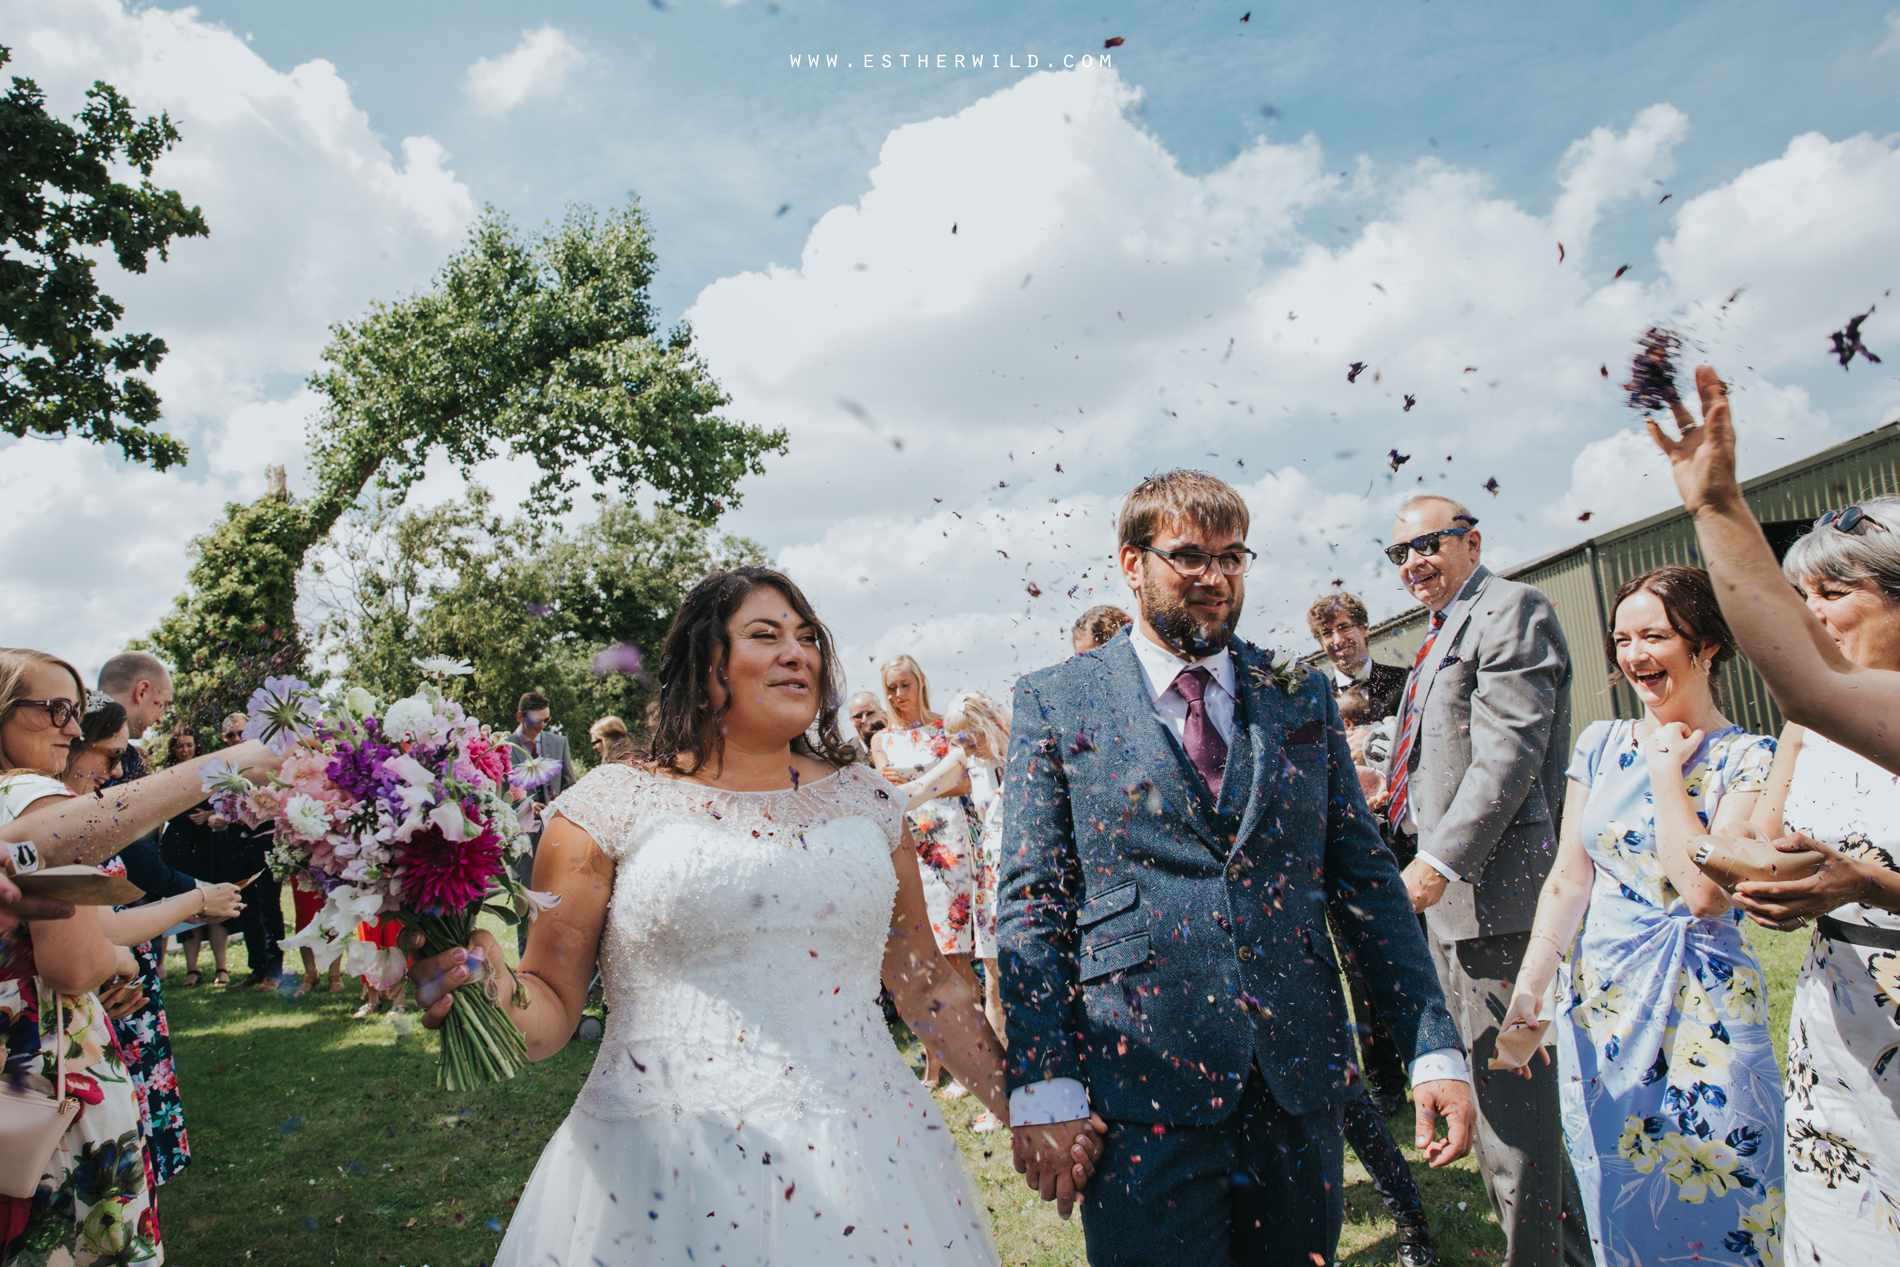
(1491, 486)
(1847, 342)
(1652, 384)
(1354, 370)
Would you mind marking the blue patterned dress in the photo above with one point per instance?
(1671, 1095)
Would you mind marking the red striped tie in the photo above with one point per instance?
(1408, 729)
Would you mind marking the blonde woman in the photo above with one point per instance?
(942, 826)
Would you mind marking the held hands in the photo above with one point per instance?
(1058, 1158)
(1787, 904)
(438, 977)
(1525, 1013)
(121, 996)
(1449, 1098)
(1703, 460)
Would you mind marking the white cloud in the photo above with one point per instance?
(1100, 309)
(311, 218)
(1893, 34)
(536, 67)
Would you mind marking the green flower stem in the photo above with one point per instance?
(479, 1043)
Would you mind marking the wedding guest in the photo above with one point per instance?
(1476, 780)
(180, 746)
(1843, 1128)
(531, 739)
(979, 727)
(1672, 1099)
(1340, 626)
(82, 1212)
(867, 718)
(191, 844)
(246, 860)
(609, 739)
(136, 1010)
(1096, 626)
(914, 742)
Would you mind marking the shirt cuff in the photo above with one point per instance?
(1064, 1100)
(1446, 1062)
(1439, 865)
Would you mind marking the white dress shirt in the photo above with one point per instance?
(1066, 1099)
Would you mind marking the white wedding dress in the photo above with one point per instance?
(748, 1105)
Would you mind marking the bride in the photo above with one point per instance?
(743, 890)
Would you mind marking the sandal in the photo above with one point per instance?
(221, 978)
(366, 1011)
(193, 977)
(955, 1091)
(304, 986)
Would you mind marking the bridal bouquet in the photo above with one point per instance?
(407, 816)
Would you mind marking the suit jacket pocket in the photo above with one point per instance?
(1103, 905)
(1115, 956)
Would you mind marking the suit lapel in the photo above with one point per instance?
(1260, 703)
(1149, 742)
(1456, 617)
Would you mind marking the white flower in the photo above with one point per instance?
(383, 969)
(360, 702)
(449, 819)
(306, 817)
(533, 902)
(443, 666)
(412, 718)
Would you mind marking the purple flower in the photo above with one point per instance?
(1652, 384)
(282, 711)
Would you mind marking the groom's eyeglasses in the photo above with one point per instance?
(1847, 520)
(1196, 562)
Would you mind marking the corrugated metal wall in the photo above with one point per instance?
(1865, 466)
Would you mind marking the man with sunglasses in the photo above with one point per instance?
(1182, 817)
(1476, 777)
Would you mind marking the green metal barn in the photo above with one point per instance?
(1582, 579)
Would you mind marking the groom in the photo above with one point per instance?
(1182, 816)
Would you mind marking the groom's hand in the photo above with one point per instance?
(1449, 1098)
(1057, 1158)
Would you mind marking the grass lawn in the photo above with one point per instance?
(321, 1139)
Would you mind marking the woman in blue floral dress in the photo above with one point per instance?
(1672, 1101)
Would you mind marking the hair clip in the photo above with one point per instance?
(96, 701)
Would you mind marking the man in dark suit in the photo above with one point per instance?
(1182, 818)
(1477, 780)
(1340, 626)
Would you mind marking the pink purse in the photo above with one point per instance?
(31, 1124)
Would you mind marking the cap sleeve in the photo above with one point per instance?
(875, 794)
(605, 805)
(1589, 752)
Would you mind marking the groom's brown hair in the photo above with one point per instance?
(1182, 494)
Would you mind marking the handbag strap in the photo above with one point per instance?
(59, 1048)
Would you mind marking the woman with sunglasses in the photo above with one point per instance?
(1843, 1121)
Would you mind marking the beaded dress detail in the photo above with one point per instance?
(747, 1104)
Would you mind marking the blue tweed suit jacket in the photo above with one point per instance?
(1155, 945)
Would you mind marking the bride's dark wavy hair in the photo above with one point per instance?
(688, 732)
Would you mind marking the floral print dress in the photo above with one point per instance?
(1844, 1029)
(1670, 1092)
(946, 846)
(95, 1203)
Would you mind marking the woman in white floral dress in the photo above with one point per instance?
(1671, 1097)
(1844, 1030)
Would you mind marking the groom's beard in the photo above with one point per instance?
(1189, 638)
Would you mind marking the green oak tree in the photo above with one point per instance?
(528, 605)
(59, 372)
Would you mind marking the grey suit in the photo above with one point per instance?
(1486, 789)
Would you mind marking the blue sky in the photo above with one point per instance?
(697, 109)
(1170, 262)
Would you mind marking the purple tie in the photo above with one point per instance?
(1205, 748)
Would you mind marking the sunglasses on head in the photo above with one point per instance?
(1847, 520)
(1426, 546)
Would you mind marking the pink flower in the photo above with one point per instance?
(440, 875)
(490, 756)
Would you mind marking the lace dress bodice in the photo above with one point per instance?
(743, 944)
